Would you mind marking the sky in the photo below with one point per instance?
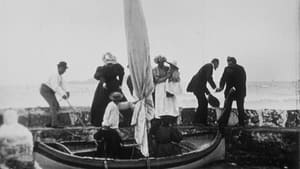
(36, 34)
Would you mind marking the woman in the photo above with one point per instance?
(160, 75)
(110, 77)
(173, 89)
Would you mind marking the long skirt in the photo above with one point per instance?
(100, 101)
(165, 105)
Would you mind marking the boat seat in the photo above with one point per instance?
(132, 145)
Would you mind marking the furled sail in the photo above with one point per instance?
(140, 70)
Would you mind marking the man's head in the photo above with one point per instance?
(215, 63)
(62, 67)
(231, 60)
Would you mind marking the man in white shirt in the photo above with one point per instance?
(55, 85)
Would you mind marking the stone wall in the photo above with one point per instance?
(39, 116)
(270, 136)
(254, 118)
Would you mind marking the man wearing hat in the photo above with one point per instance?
(198, 86)
(110, 132)
(55, 85)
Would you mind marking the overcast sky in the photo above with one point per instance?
(36, 34)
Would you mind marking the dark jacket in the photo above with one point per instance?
(234, 76)
(111, 74)
(199, 80)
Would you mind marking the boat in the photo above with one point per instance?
(200, 146)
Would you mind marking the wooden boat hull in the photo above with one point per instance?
(48, 157)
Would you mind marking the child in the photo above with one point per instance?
(110, 132)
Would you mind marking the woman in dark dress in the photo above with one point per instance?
(110, 77)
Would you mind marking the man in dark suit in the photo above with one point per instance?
(198, 86)
(234, 77)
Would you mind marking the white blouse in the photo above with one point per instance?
(57, 84)
(111, 116)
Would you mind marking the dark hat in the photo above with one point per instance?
(213, 101)
(62, 64)
(116, 96)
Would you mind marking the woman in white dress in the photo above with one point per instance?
(173, 89)
(160, 75)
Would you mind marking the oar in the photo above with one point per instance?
(81, 122)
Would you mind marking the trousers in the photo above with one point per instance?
(49, 95)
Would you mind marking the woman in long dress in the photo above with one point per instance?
(110, 77)
(160, 75)
(173, 89)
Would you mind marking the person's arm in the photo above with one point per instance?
(64, 88)
(99, 74)
(207, 91)
(222, 81)
(56, 86)
(106, 116)
(121, 74)
(158, 79)
(209, 76)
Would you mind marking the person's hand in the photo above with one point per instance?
(219, 89)
(104, 85)
(232, 90)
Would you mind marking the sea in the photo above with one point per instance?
(260, 95)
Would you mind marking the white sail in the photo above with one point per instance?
(140, 70)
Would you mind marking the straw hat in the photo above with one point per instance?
(116, 96)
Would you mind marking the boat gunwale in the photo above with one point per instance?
(96, 162)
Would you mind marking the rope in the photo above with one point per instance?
(79, 118)
(105, 164)
(148, 163)
(105, 155)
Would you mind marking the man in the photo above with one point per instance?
(234, 77)
(198, 86)
(55, 85)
